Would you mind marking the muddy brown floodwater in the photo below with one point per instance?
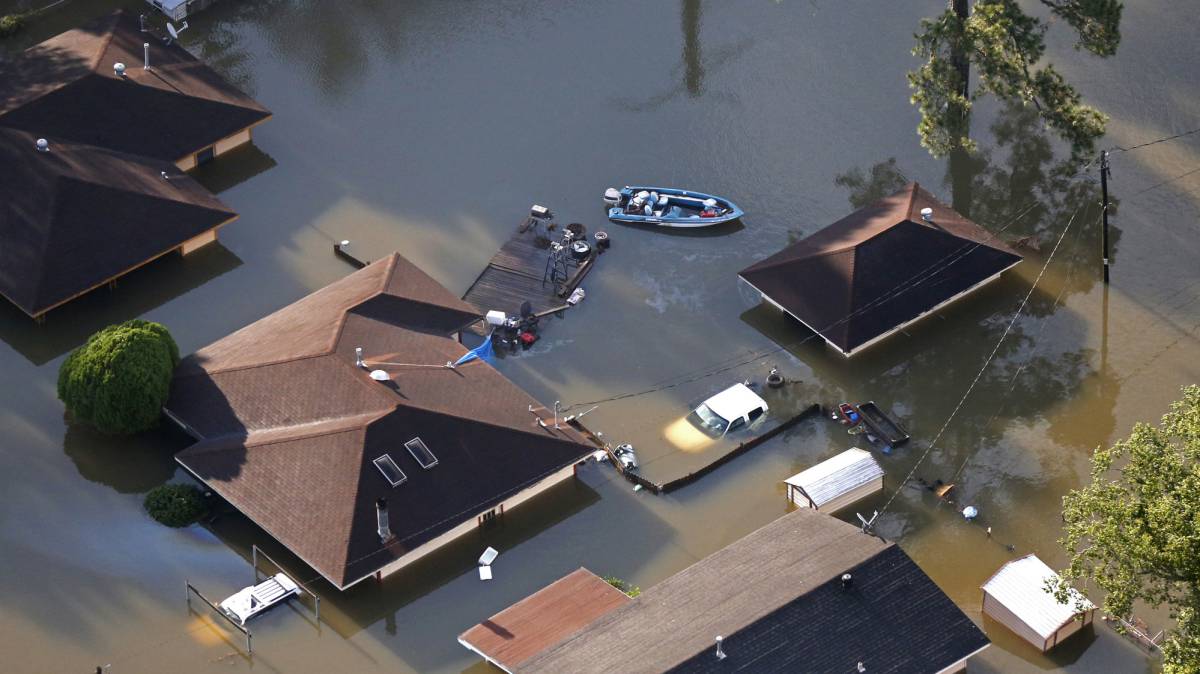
(430, 127)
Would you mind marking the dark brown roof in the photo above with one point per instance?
(776, 598)
(289, 426)
(543, 619)
(880, 267)
(77, 216)
(65, 88)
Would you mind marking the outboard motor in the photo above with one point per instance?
(612, 196)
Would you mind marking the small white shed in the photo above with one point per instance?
(1016, 596)
(837, 482)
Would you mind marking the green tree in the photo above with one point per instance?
(119, 380)
(1006, 45)
(1135, 531)
(175, 505)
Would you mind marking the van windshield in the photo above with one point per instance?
(711, 419)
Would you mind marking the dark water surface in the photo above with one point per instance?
(431, 127)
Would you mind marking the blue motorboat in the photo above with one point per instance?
(668, 207)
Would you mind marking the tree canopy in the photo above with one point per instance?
(1006, 45)
(119, 380)
(1135, 530)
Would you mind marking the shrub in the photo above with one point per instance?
(631, 590)
(10, 24)
(175, 505)
(119, 380)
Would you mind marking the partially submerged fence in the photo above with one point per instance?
(244, 630)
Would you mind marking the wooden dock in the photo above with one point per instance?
(515, 275)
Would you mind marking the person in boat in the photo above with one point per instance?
(710, 209)
(634, 207)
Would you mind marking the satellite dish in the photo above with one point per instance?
(380, 375)
(175, 31)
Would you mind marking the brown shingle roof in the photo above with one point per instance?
(290, 427)
(65, 87)
(77, 216)
(776, 598)
(543, 619)
(880, 267)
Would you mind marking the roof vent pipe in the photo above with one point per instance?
(358, 361)
(846, 580)
(927, 214)
(381, 516)
(146, 55)
(43, 145)
(720, 651)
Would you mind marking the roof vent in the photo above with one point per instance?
(720, 651)
(846, 580)
(119, 69)
(146, 55)
(927, 214)
(381, 516)
(43, 145)
(164, 175)
(358, 361)
(861, 668)
(380, 375)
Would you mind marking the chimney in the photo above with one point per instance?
(927, 214)
(385, 532)
(43, 145)
(720, 652)
(846, 580)
(146, 55)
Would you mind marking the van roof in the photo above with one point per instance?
(735, 402)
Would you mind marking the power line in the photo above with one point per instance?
(979, 375)
(1156, 141)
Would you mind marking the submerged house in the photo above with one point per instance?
(880, 269)
(110, 85)
(96, 125)
(361, 462)
(74, 217)
(1016, 597)
(805, 593)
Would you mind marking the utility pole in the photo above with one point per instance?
(1104, 212)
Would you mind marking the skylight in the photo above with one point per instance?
(390, 470)
(421, 453)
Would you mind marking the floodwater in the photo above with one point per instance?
(430, 127)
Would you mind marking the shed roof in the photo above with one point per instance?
(776, 597)
(837, 475)
(880, 267)
(543, 619)
(78, 216)
(66, 88)
(1020, 586)
(290, 427)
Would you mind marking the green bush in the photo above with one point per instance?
(631, 590)
(10, 24)
(175, 505)
(119, 380)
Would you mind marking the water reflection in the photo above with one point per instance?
(236, 167)
(136, 293)
(128, 464)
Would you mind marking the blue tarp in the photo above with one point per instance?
(483, 351)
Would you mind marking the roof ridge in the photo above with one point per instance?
(912, 199)
(113, 19)
(550, 434)
(318, 429)
(345, 312)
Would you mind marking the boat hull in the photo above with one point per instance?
(618, 214)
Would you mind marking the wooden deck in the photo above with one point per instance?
(514, 275)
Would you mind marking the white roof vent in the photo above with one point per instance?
(927, 214)
(380, 375)
(119, 69)
(43, 145)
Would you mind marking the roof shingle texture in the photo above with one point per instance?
(66, 88)
(290, 427)
(776, 597)
(76, 216)
(880, 267)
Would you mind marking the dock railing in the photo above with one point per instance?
(241, 628)
(255, 553)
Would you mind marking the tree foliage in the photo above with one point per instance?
(175, 505)
(624, 586)
(1135, 531)
(119, 380)
(1005, 46)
